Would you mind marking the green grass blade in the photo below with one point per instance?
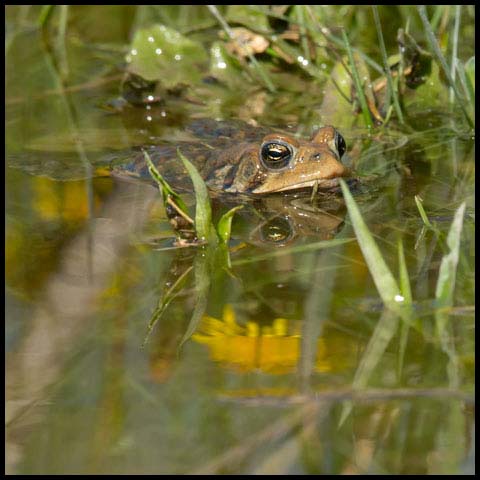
(448, 267)
(60, 42)
(441, 60)
(421, 210)
(470, 77)
(163, 186)
(444, 295)
(465, 79)
(202, 269)
(358, 84)
(164, 302)
(382, 335)
(453, 63)
(45, 15)
(404, 280)
(391, 86)
(407, 295)
(382, 276)
(224, 226)
(203, 210)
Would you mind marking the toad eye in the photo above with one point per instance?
(276, 155)
(340, 144)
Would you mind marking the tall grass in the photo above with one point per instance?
(435, 47)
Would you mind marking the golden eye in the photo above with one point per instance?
(276, 155)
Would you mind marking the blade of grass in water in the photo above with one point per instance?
(384, 331)
(391, 86)
(407, 295)
(448, 268)
(404, 280)
(202, 269)
(467, 85)
(421, 210)
(164, 187)
(358, 84)
(224, 225)
(382, 276)
(203, 209)
(444, 295)
(167, 298)
(441, 60)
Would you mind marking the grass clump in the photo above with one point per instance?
(198, 231)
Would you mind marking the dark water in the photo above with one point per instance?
(294, 367)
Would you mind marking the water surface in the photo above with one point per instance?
(263, 382)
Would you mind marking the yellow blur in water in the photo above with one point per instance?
(274, 349)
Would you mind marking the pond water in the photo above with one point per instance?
(292, 365)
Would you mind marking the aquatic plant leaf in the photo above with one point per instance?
(421, 210)
(382, 276)
(164, 187)
(224, 225)
(203, 210)
(161, 53)
(448, 268)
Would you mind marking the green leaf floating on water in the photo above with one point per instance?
(161, 53)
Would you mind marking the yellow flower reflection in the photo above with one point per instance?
(274, 349)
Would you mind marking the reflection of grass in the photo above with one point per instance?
(398, 301)
(209, 260)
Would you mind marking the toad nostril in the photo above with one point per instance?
(316, 156)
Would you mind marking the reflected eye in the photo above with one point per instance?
(278, 230)
(276, 155)
(340, 144)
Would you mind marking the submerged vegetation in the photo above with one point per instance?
(319, 332)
